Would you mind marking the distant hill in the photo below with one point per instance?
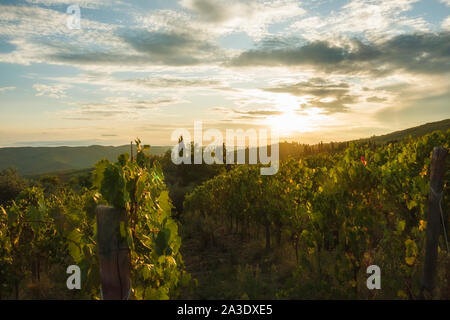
(415, 132)
(38, 160)
(64, 176)
(67, 161)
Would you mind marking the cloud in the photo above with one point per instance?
(81, 3)
(34, 21)
(395, 87)
(6, 46)
(255, 114)
(370, 19)
(251, 16)
(319, 87)
(56, 91)
(446, 24)
(172, 38)
(171, 48)
(375, 99)
(139, 47)
(331, 105)
(423, 53)
(5, 89)
(151, 58)
(320, 93)
(141, 85)
(166, 82)
(40, 35)
(214, 11)
(96, 58)
(319, 53)
(116, 108)
(418, 53)
(431, 107)
(259, 113)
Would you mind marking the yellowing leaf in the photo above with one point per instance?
(422, 225)
(401, 225)
(171, 260)
(410, 260)
(402, 294)
(411, 252)
(411, 204)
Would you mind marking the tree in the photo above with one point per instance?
(49, 183)
(11, 184)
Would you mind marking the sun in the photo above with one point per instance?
(292, 119)
(287, 123)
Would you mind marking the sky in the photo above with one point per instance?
(318, 70)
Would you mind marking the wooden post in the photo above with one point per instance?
(114, 254)
(437, 171)
(131, 150)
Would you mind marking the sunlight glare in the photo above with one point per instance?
(290, 121)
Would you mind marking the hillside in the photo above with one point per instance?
(415, 132)
(37, 160)
(63, 176)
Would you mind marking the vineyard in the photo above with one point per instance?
(309, 231)
(41, 235)
(334, 215)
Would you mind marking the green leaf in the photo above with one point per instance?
(74, 245)
(401, 225)
(164, 201)
(113, 186)
(411, 204)
(98, 173)
(139, 292)
(35, 216)
(12, 215)
(162, 241)
(140, 186)
(146, 271)
(123, 159)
